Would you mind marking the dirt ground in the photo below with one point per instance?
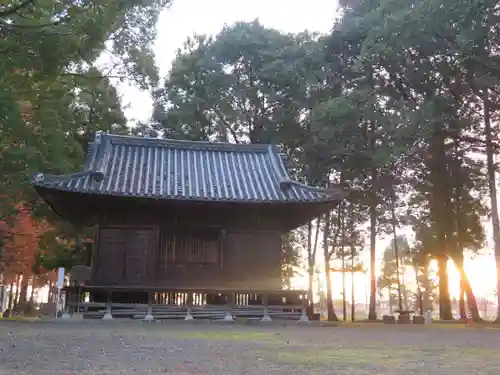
(94, 347)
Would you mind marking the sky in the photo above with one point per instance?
(185, 18)
(188, 17)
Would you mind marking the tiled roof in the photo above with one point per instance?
(174, 170)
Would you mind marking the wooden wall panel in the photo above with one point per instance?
(108, 267)
(253, 259)
(126, 256)
(140, 256)
(132, 256)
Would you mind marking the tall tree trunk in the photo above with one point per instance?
(420, 299)
(18, 289)
(353, 302)
(396, 248)
(372, 314)
(23, 295)
(312, 247)
(370, 136)
(2, 292)
(310, 262)
(49, 296)
(445, 311)
(405, 291)
(426, 298)
(390, 300)
(471, 299)
(33, 285)
(10, 304)
(458, 249)
(344, 296)
(441, 212)
(329, 297)
(461, 300)
(342, 256)
(490, 163)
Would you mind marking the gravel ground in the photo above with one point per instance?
(94, 347)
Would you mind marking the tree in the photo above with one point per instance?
(312, 249)
(429, 82)
(248, 83)
(290, 258)
(394, 264)
(49, 50)
(19, 254)
(54, 96)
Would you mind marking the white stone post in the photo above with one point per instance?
(108, 315)
(228, 316)
(266, 317)
(65, 304)
(189, 316)
(304, 319)
(149, 316)
(428, 317)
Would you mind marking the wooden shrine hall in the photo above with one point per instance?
(184, 225)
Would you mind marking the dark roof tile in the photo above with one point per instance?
(172, 169)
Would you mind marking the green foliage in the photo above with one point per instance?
(54, 98)
(388, 279)
(390, 105)
(290, 258)
(414, 76)
(248, 83)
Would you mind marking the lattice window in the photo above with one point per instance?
(196, 246)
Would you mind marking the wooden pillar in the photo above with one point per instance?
(266, 317)
(108, 315)
(149, 316)
(228, 317)
(189, 306)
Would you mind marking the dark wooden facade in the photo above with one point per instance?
(173, 215)
(186, 258)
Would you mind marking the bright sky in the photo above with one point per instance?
(187, 17)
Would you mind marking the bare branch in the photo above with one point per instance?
(337, 231)
(87, 77)
(227, 126)
(316, 237)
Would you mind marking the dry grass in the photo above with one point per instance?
(229, 335)
(329, 355)
(380, 353)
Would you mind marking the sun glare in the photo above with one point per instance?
(480, 271)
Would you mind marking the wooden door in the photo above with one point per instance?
(108, 269)
(140, 256)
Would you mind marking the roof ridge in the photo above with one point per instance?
(186, 170)
(181, 144)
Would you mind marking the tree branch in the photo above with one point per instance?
(476, 141)
(9, 11)
(227, 126)
(13, 26)
(87, 77)
(316, 237)
(337, 231)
